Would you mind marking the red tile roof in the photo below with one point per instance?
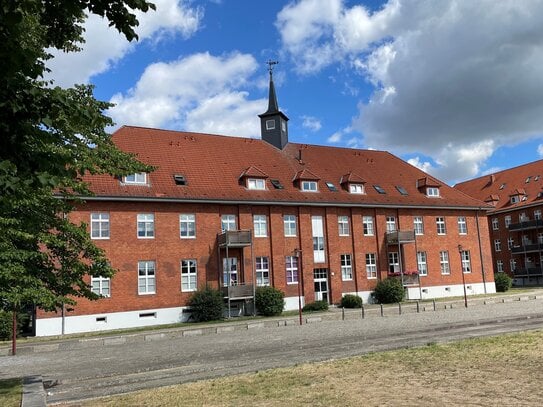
(212, 166)
(254, 172)
(525, 180)
(351, 177)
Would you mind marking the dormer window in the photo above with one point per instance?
(356, 188)
(270, 124)
(256, 183)
(139, 178)
(309, 186)
(515, 199)
(432, 192)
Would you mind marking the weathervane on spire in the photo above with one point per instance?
(270, 65)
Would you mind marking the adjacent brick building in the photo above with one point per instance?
(233, 213)
(515, 221)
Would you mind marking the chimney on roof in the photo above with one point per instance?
(273, 122)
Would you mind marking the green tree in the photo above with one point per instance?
(49, 138)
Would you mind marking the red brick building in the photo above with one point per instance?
(515, 222)
(234, 213)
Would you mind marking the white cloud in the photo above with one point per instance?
(540, 150)
(200, 92)
(337, 137)
(311, 123)
(449, 75)
(105, 46)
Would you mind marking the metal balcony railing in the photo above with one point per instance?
(239, 291)
(400, 236)
(526, 225)
(528, 272)
(529, 248)
(234, 238)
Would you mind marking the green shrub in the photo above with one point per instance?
(269, 301)
(207, 305)
(6, 324)
(388, 291)
(315, 306)
(503, 282)
(351, 301)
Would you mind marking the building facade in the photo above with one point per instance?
(235, 213)
(515, 222)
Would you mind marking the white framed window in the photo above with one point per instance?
(540, 238)
(440, 224)
(346, 267)
(260, 225)
(507, 221)
(291, 263)
(371, 266)
(228, 222)
(100, 225)
(318, 239)
(256, 183)
(146, 277)
(393, 262)
(418, 225)
(187, 226)
(537, 214)
(497, 245)
(391, 224)
(356, 188)
(270, 124)
(367, 222)
(515, 199)
(289, 223)
(432, 192)
(230, 271)
(466, 262)
(343, 225)
(510, 243)
(495, 224)
(262, 271)
(444, 262)
(513, 265)
(146, 226)
(309, 186)
(189, 274)
(101, 286)
(499, 266)
(523, 218)
(139, 178)
(462, 226)
(283, 125)
(422, 264)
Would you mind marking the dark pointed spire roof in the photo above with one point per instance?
(273, 106)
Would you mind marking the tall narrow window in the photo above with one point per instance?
(230, 271)
(343, 224)
(187, 226)
(495, 224)
(444, 262)
(507, 220)
(188, 275)
(462, 226)
(228, 222)
(100, 286)
(391, 223)
(318, 239)
(367, 222)
(510, 243)
(537, 214)
(497, 245)
(260, 225)
(440, 224)
(466, 262)
(393, 262)
(262, 271)
(289, 222)
(291, 263)
(346, 267)
(499, 266)
(146, 226)
(371, 266)
(146, 277)
(421, 263)
(418, 225)
(100, 225)
(513, 265)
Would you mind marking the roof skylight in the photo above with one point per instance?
(331, 187)
(401, 190)
(379, 189)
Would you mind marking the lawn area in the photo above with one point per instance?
(10, 392)
(504, 370)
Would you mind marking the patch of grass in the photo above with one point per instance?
(503, 370)
(11, 391)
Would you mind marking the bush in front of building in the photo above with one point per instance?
(269, 301)
(6, 324)
(206, 305)
(388, 291)
(315, 306)
(503, 282)
(351, 301)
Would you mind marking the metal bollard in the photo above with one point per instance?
(363, 312)
(434, 302)
(418, 307)
(382, 310)
(343, 313)
(399, 308)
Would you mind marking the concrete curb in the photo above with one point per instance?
(33, 392)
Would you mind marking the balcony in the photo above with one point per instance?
(400, 237)
(234, 238)
(526, 225)
(528, 272)
(408, 278)
(527, 248)
(238, 292)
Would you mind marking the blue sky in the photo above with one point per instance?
(452, 86)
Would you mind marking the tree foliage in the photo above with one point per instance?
(49, 138)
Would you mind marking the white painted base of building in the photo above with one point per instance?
(453, 290)
(291, 303)
(365, 295)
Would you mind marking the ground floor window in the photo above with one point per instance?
(100, 286)
(262, 271)
(292, 269)
(146, 277)
(188, 275)
(371, 266)
(422, 265)
(346, 267)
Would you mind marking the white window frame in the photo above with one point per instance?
(231, 275)
(189, 275)
(507, 221)
(262, 270)
(258, 184)
(309, 186)
(495, 224)
(100, 224)
(393, 262)
(497, 245)
(291, 265)
(356, 189)
(138, 178)
(537, 214)
(441, 226)
(432, 192)
(147, 280)
(462, 225)
(187, 226)
(270, 124)
(289, 225)
(371, 266)
(260, 225)
(317, 228)
(422, 264)
(444, 263)
(466, 261)
(515, 199)
(146, 225)
(391, 224)
(228, 222)
(346, 267)
(101, 286)
(343, 225)
(510, 243)
(418, 225)
(367, 223)
(540, 238)
(499, 266)
(513, 265)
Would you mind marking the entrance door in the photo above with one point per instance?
(320, 278)
(230, 271)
